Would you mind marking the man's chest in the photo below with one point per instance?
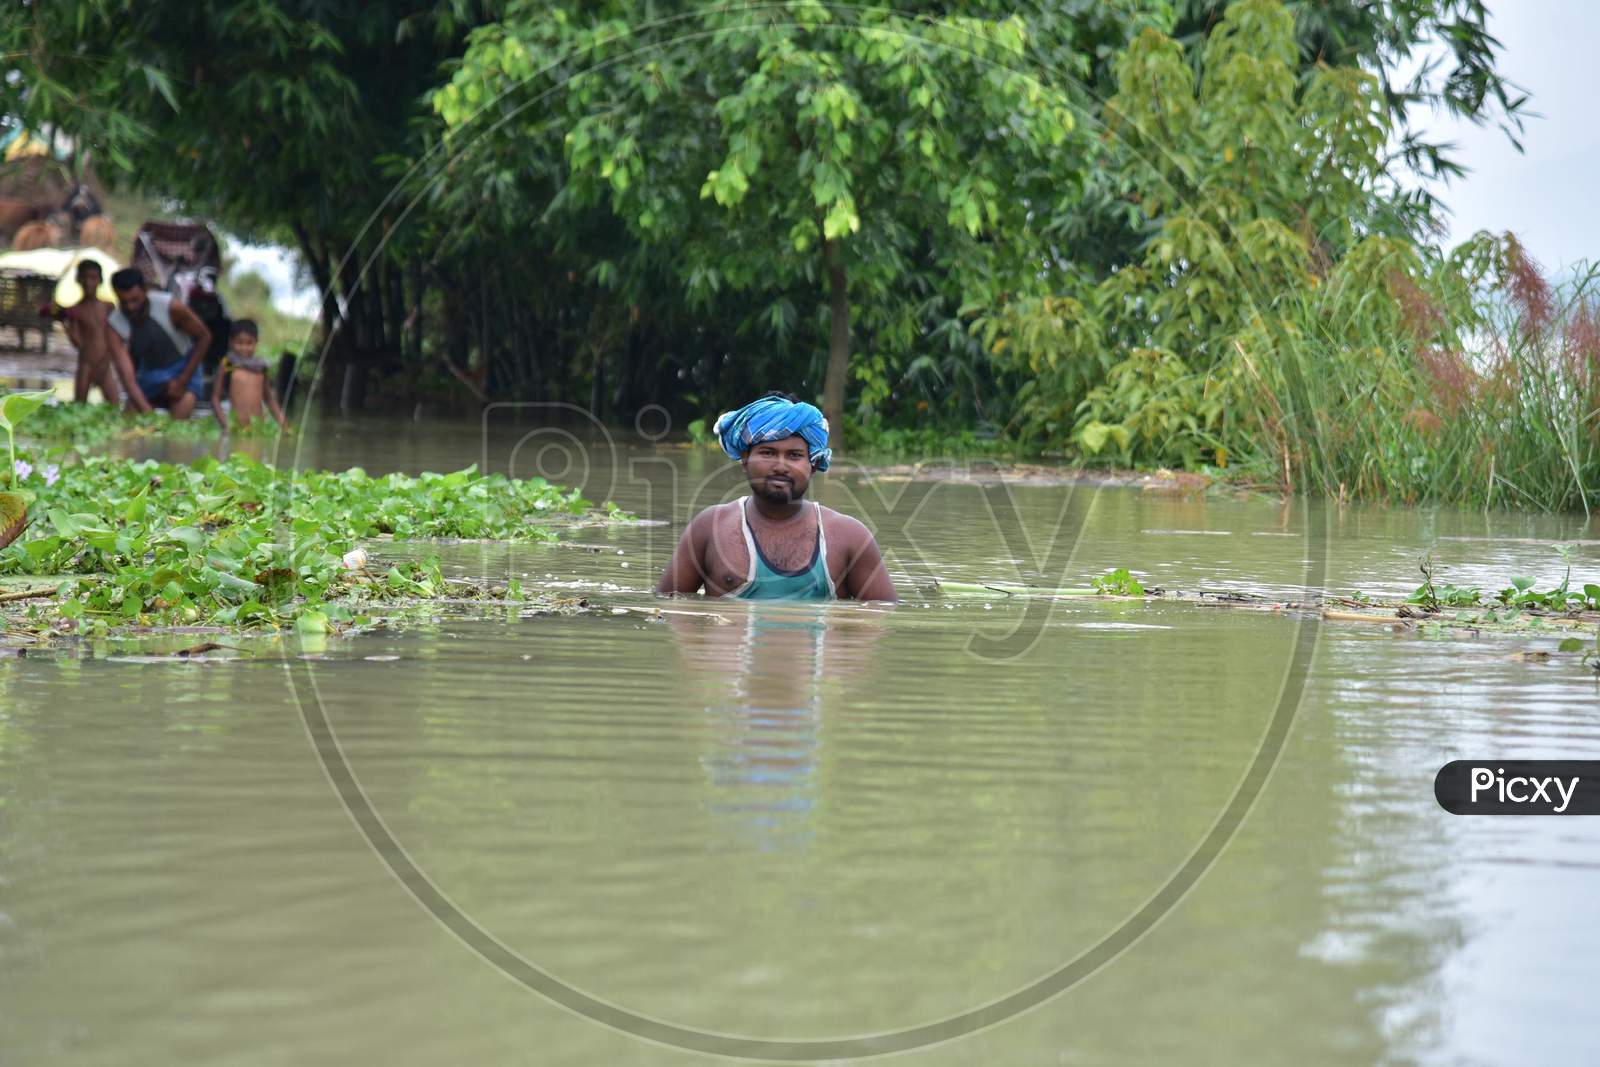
(788, 547)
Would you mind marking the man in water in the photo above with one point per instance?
(769, 545)
(158, 343)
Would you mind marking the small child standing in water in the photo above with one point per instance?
(85, 323)
(246, 377)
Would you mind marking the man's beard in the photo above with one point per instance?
(779, 493)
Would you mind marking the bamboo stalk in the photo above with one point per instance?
(1009, 589)
(28, 594)
(1356, 616)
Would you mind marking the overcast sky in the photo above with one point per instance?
(1546, 195)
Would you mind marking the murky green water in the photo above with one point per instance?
(806, 822)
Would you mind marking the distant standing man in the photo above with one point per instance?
(769, 545)
(85, 323)
(158, 343)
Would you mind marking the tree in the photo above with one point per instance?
(1432, 55)
(679, 201)
(60, 75)
(790, 144)
(1264, 196)
(271, 115)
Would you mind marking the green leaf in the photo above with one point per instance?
(1093, 436)
(311, 622)
(97, 536)
(252, 609)
(1571, 644)
(13, 517)
(15, 407)
(235, 584)
(192, 538)
(840, 221)
(63, 523)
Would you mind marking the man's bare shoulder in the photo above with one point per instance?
(709, 513)
(845, 529)
(709, 517)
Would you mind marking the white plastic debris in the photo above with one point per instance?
(355, 559)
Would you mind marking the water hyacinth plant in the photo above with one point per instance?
(238, 542)
(14, 408)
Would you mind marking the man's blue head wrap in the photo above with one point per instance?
(772, 418)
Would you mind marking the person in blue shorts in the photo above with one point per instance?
(770, 545)
(157, 344)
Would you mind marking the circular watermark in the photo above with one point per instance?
(517, 966)
(652, 424)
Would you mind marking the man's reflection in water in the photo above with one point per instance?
(771, 678)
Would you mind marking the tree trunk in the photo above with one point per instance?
(414, 319)
(838, 341)
(356, 339)
(486, 333)
(597, 383)
(322, 275)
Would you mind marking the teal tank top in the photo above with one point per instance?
(763, 581)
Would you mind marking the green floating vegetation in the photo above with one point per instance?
(240, 543)
(1433, 610)
(1116, 583)
(1519, 594)
(14, 408)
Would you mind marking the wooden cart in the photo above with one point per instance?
(185, 259)
(22, 294)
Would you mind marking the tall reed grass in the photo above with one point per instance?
(1492, 404)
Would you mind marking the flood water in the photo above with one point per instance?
(801, 823)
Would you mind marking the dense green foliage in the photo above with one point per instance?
(1263, 194)
(770, 150)
(273, 116)
(1126, 231)
(239, 542)
(1284, 318)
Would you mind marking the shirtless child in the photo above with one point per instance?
(85, 323)
(246, 377)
